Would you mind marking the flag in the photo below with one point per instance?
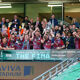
(22, 28)
(8, 30)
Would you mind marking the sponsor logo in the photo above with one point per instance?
(15, 70)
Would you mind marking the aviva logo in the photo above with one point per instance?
(15, 70)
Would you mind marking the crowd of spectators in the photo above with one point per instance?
(25, 35)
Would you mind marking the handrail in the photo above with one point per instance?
(49, 70)
(49, 74)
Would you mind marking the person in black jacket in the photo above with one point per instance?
(27, 22)
(70, 41)
(15, 23)
(38, 24)
(53, 21)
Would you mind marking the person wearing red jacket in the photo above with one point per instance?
(76, 40)
(26, 43)
(4, 43)
(11, 41)
(58, 42)
(46, 42)
(36, 38)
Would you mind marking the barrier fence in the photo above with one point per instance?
(58, 68)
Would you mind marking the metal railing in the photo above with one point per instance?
(58, 68)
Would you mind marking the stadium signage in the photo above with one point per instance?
(37, 54)
(14, 70)
(25, 55)
(5, 70)
(22, 70)
(33, 56)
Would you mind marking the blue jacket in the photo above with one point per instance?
(55, 21)
(17, 25)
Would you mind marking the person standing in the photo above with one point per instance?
(58, 42)
(53, 20)
(36, 38)
(27, 22)
(75, 22)
(38, 24)
(3, 22)
(46, 42)
(76, 40)
(15, 23)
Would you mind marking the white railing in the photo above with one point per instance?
(58, 68)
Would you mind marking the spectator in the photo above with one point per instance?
(70, 41)
(44, 25)
(7, 22)
(74, 28)
(76, 40)
(56, 30)
(18, 43)
(38, 35)
(53, 21)
(12, 41)
(37, 23)
(36, 38)
(46, 42)
(64, 27)
(58, 43)
(26, 43)
(75, 22)
(0, 40)
(31, 21)
(63, 37)
(27, 22)
(4, 29)
(78, 32)
(15, 23)
(3, 22)
(4, 43)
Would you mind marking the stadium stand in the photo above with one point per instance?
(52, 34)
